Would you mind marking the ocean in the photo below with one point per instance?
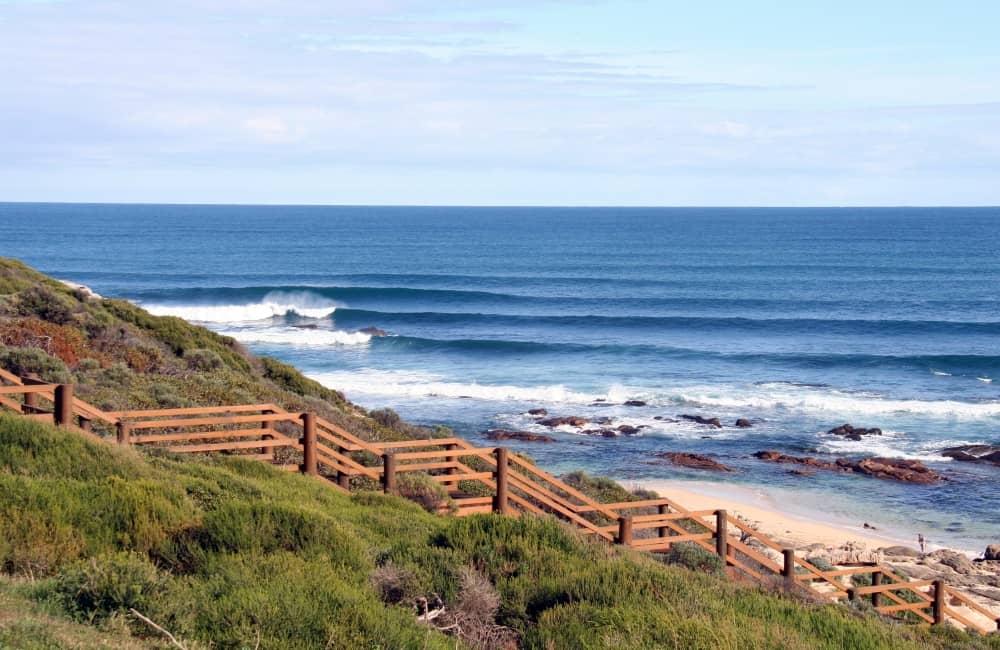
(798, 320)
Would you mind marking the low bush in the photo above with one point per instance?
(423, 490)
(694, 557)
(100, 586)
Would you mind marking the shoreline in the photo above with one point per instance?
(785, 525)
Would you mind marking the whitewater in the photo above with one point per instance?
(795, 320)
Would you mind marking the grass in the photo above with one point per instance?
(229, 553)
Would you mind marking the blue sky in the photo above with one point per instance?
(501, 102)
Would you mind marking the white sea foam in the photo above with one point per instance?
(298, 337)
(985, 380)
(832, 401)
(276, 303)
(407, 384)
(941, 373)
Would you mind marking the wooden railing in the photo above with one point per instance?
(482, 480)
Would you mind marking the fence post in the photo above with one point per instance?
(876, 581)
(124, 433)
(265, 451)
(721, 534)
(500, 500)
(31, 399)
(789, 569)
(452, 460)
(852, 595)
(309, 444)
(624, 531)
(63, 412)
(662, 509)
(388, 473)
(939, 602)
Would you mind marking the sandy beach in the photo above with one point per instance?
(771, 518)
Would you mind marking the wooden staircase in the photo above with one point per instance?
(483, 480)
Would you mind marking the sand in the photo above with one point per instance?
(793, 530)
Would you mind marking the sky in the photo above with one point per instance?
(501, 102)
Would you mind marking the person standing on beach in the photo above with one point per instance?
(920, 540)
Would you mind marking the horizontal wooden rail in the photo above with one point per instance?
(892, 586)
(27, 390)
(206, 435)
(204, 422)
(905, 607)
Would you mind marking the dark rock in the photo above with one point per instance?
(895, 469)
(694, 461)
(635, 402)
(311, 326)
(992, 553)
(603, 420)
(538, 412)
(607, 433)
(523, 436)
(572, 420)
(628, 430)
(743, 423)
(854, 433)
(715, 422)
(974, 453)
(374, 331)
(869, 526)
(809, 461)
(801, 472)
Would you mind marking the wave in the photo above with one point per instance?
(271, 305)
(298, 337)
(834, 401)
(542, 299)
(410, 384)
(506, 321)
(728, 401)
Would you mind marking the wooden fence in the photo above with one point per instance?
(483, 480)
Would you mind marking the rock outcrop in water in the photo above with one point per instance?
(374, 332)
(743, 423)
(571, 420)
(714, 422)
(694, 461)
(895, 469)
(634, 402)
(854, 433)
(540, 413)
(809, 461)
(522, 436)
(974, 453)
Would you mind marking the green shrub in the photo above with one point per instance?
(202, 359)
(96, 588)
(42, 302)
(694, 557)
(21, 361)
(423, 490)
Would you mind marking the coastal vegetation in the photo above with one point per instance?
(105, 546)
(231, 553)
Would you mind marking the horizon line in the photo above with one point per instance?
(511, 205)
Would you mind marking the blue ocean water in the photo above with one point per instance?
(797, 319)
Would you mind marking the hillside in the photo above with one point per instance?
(120, 357)
(233, 553)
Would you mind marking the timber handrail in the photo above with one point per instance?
(515, 484)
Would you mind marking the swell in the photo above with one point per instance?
(363, 317)
(621, 299)
(922, 362)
